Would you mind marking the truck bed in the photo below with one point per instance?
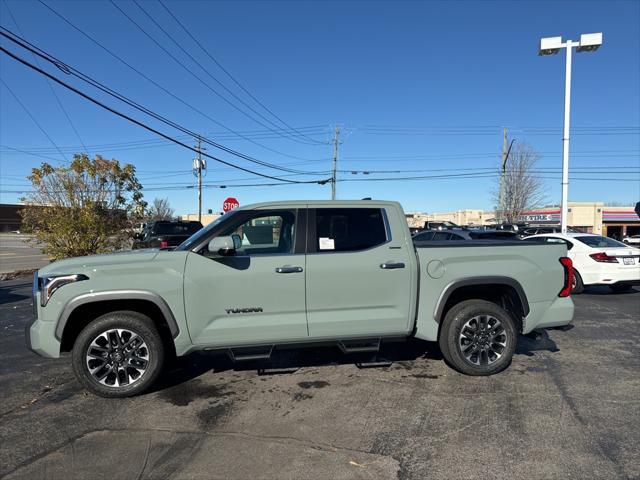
(528, 265)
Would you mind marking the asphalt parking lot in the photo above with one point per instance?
(17, 254)
(568, 407)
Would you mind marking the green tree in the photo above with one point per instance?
(82, 208)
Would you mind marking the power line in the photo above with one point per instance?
(184, 67)
(15, 97)
(206, 52)
(449, 177)
(230, 92)
(53, 92)
(157, 85)
(146, 127)
(73, 71)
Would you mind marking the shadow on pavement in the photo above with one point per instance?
(8, 293)
(284, 361)
(605, 290)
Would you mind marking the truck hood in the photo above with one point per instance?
(82, 264)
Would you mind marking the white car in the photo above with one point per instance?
(598, 260)
(632, 240)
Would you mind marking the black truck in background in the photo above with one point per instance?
(165, 234)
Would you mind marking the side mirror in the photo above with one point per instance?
(137, 236)
(224, 246)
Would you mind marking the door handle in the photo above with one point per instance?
(391, 265)
(288, 269)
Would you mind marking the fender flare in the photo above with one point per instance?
(482, 280)
(87, 298)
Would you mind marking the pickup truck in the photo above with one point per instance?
(288, 274)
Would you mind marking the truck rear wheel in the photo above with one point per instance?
(120, 354)
(478, 338)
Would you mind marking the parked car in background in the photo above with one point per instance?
(538, 230)
(440, 225)
(512, 227)
(463, 234)
(165, 234)
(598, 260)
(632, 240)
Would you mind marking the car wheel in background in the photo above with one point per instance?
(578, 286)
(478, 337)
(120, 354)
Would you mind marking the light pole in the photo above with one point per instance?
(589, 42)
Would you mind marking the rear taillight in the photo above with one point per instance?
(164, 244)
(568, 277)
(603, 258)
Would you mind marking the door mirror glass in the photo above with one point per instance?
(224, 246)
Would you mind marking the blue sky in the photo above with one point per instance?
(420, 88)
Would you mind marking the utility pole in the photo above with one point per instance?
(198, 166)
(336, 142)
(504, 162)
(505, 156)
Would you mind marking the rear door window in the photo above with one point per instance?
(349, 229)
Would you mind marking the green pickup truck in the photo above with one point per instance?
(283, 274)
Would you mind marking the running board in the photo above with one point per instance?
(250, 353)
(359, 346)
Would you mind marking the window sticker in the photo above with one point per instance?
(327, 243)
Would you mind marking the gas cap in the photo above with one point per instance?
(435, 269)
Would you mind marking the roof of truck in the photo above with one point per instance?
(316, 203)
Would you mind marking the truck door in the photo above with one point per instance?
(258, 294)
(359, 278)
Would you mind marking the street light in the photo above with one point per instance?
(589, 42)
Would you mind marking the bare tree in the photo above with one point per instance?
(160, 210)
(523, 187)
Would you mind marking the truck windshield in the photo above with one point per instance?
(194, 239)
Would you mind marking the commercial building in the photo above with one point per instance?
(206, 218)
(592, 217)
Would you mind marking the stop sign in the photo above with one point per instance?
(229, 204)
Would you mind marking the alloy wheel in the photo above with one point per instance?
(117, 357)
(482, 340)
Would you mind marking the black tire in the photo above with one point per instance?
(620, 288)
(578, 286)
(451, 337)
(138, 362)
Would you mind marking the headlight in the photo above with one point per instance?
(48, 285)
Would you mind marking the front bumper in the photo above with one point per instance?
(40, 338)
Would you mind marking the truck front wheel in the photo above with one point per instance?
(120, 354)
(478, 337)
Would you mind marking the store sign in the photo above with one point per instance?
(540, 217)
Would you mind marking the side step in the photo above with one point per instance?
(359, 346)
(250, 353)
